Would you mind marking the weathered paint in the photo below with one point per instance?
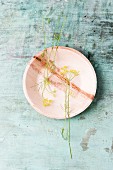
(85, 139)
(29, 141)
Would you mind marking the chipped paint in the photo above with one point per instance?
(109, 150)
(85, 139)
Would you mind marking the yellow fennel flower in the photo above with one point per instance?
(46, 81)
(64, 67)
(47, 102)
(76, 73)
(64, 70)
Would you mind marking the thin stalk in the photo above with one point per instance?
(63, 24)
(69, 139)
(55, 54)
(68, 112)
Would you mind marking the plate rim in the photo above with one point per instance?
(28, 66)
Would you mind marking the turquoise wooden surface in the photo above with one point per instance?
(28, 140)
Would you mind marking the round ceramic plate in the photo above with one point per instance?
(83, 86)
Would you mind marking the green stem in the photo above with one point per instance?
(55, 54)
(43, 91)
(69, 140)
(67, 93)
(65, 105)
(68, 112)
(63, 24)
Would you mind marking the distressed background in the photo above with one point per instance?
(28, 140)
